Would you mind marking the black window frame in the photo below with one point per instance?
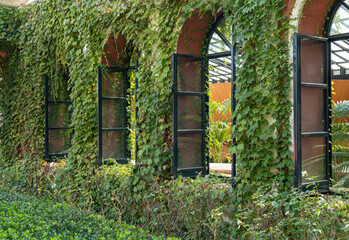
(204, 169)
(233, 49)
(321, 185)
(127, 122)
(332, 13)
(51, 157)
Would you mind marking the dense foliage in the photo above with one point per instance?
(25, 217)
(51, 37)
(202, 208)
(340, 140)
(52, 34)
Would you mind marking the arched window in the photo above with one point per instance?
(338, 35)
(321, 74)
(221, 79)
(338, 19)
(194, 78)
(116, 103)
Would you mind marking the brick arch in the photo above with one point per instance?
(116, 54)
(315, 15)
(194, 32)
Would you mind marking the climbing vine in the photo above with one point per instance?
(55, 33)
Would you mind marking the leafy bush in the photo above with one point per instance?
(340, 143)
(180, 207)
(201, 208)
(209, 208)
(185, 207)
(26, 217)
(219, 132)
(295, 216)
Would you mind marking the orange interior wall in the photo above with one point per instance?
(219, 93)
(341, 90)
(222, 91)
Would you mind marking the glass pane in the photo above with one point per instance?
(220, 70)
(189, 74)
(113, 144)
(340, 168)
(59, 140)
(313, 110)
(217, 45)
(58, 115)
(340, 22)
(59, 90)
(190, 112)
(313, 55)
(113, 113)
(340, 57)
(226, 28)
(336, 72)
(313, 159)
(190, 150)
(113, 84)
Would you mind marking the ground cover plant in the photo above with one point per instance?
(26, 217)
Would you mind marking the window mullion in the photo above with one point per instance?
(46, 119)
(233, 103)
(223, 37)
(345, 5)
(58, 126)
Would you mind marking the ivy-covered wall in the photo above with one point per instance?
(42, 37)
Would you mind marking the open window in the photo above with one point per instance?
(221, 52)
(114, 118)
(202, 88)
(321, 104)
(337, 31)
(340, 112)
(189, 115)
(312, 92)
(58, 133)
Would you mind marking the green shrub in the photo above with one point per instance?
(202, 208)
(24, 217)
(180, 207)
(295, 216)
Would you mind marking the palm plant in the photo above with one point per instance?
(219, 130)
(340, 143)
